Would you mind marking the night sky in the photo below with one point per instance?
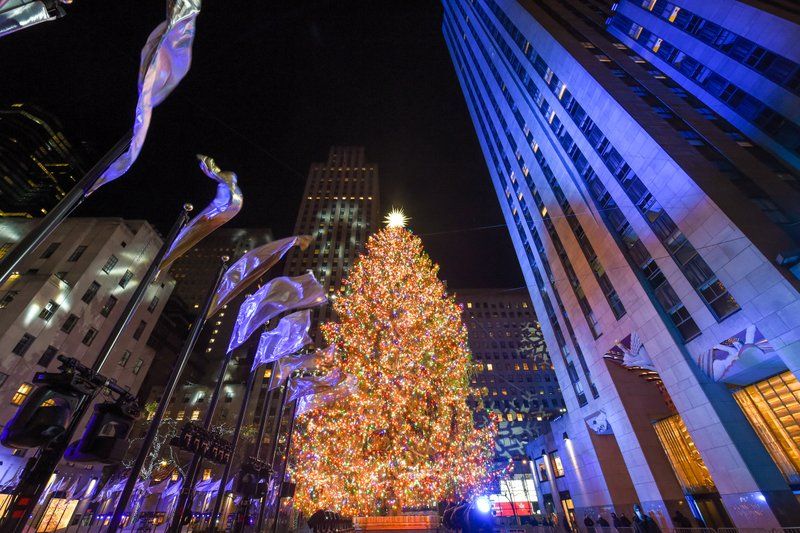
(272, 86)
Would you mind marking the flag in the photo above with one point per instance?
(252, 266)
(286, 338)
(18, 14)
(284, 367)
(279, 295)
(165, 60)
(224, 207)
(315, 391)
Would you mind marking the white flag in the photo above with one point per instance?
(277, 296)
(285, 366)
(224, 207)
(165, 60)
(289, 336)
(252, 266)
(322, 390)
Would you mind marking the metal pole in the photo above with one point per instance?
(38, 469)
(284, 461)
(263, 510)
(62, 209)
(259, 443)
(158, 416)
(194, 467)
(234, 441)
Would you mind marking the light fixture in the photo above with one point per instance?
(483, 504)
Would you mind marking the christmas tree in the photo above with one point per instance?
(405, 438)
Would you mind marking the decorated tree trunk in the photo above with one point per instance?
(405, 438)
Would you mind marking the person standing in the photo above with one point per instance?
(642, 522)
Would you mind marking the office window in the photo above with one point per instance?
(91, 292)
(50, 250)
(126, 277)
(153, 304)
(47, 356)
(22, 393)
(138, 366)
(110, 264)
(206, 474)
(180, 415)
(88, 338)
(77, 254)
(23, 344)
(48, 310)
(541, 469)
(555, 461)
(195, 415)
(109, 306)
(69, 323)
(139, 329)
(8, 298)
(124, 359)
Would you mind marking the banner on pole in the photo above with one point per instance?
(277, 296)
(285, 366)
(224, 207)
(289, 336)
(252, 266)
(165, 60)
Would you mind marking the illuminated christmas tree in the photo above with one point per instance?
(406, 437)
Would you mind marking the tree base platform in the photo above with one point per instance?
(425, 523)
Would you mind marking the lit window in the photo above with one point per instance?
(195, 415)
(48, 310)
(657, 45)
(125, 356)
(206, 474)
(674, 14)
(519, 417)
(469, 305)
(650, 4)
(138, 366)
(555, 461)
(489, 367)
(22, 393)
(180, 415)
(267, 373)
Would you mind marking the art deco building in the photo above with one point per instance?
(38, 164)
(514, 379)
(340, 210)
(65, 299)
(660, 252)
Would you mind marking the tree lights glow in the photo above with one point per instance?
(406, 437)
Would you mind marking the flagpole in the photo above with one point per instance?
(39, 468)
(172, 384)
(284, 462)
(194, 467)
(62, 209)
(234, 442)
(263, 509)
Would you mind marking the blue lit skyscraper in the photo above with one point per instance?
(658, 237)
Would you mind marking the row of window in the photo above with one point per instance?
(750, 108)
(723, 125)
(538, 243)
(705, 282)
(744, 182)
(772, 66)
(479, 109)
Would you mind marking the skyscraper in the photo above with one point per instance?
(514, 379)
(38, 164)
(658, 249)
(340, 210)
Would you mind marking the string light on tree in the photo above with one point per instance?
(406, 437)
